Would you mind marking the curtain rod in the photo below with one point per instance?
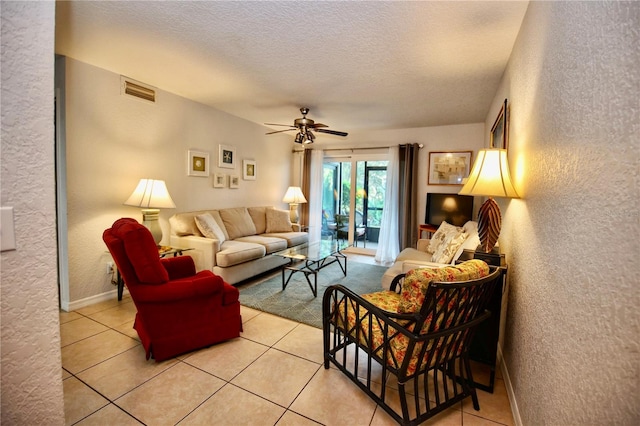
(361, 149)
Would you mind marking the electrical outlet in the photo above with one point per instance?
(109, 268)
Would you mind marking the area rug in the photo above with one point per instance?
(297, 303)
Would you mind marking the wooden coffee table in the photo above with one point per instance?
(310, 258)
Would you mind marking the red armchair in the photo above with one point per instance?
(179, 310)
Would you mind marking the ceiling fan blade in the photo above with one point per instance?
(280, 131)
(273, 124)
(331, 132)
(319, 125)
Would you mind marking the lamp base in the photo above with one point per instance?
(293, 212)
(489, 223)
(150, 221)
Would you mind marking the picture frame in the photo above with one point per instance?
(219, 180)
(234, 181)
(249, 169)
(500, 129)
(226, 157)
(449, 168)
(197, 163)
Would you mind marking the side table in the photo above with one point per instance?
(429, 229)
(484, 346)
(163, 251)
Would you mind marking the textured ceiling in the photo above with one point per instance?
(356, 65)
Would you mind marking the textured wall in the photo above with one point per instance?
(113, 141)
(572, 242)
(31, 375)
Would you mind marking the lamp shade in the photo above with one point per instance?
(151, 194)
(490, 175)
(294, 195)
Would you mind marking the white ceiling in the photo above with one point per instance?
(356, 65)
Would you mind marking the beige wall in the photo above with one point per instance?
(113, 141)
(572, 242)
(31, 373)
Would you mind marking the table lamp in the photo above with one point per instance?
(151, 195)
(294, 196)
(490, 177)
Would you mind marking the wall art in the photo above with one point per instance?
(219, 180)
(448, 168)
(197, 163)
(249, 170)
(234, 181)
(227, 157)
(500, 129)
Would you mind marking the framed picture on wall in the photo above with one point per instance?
(227, 157)
(248, 170)
(197, 163)
(219, 180)
(500, 129)
(234, 181)
(449, 168)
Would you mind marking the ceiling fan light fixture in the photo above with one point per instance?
(309, 137)
(299, 138)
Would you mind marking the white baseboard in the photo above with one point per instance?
(77, 304)
(507, 383)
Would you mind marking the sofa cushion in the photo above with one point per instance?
(184, 223)
(271, 244)
(259, 217)
(416, 281)
(449, 247)
(444, 231)
(292, 238)
(236, 252)
(278, 221)
(237, 222)
(209, 227)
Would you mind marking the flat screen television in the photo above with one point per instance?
(455, 209)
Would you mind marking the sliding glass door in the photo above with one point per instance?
(353, 199)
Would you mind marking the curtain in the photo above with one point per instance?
(315, 195)
(408, 201)
(306, 186)
(388, 243)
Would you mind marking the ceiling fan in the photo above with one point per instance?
(305, 126)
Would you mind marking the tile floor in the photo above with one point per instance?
(272, 374)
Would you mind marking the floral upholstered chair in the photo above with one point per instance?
(420, 331)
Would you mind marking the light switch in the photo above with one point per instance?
(7, 231)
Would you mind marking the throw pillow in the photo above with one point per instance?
(237, 222)
(449, 247)
(440, 236)
(416, 282)
(278, 221)
(209, 227)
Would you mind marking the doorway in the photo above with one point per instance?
(353, 199)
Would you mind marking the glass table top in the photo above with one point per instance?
(314, 251)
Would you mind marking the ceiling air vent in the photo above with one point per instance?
(136, 89)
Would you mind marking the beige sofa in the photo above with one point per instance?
(444, 248)
(236, 243)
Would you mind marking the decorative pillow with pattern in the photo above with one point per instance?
(440, 236)
(449, 247)
(209, 227)
(417, 281)
(278, 221)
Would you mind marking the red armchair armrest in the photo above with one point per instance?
(203, 284)
(179, 267)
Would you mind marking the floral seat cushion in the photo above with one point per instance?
(371, 332)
